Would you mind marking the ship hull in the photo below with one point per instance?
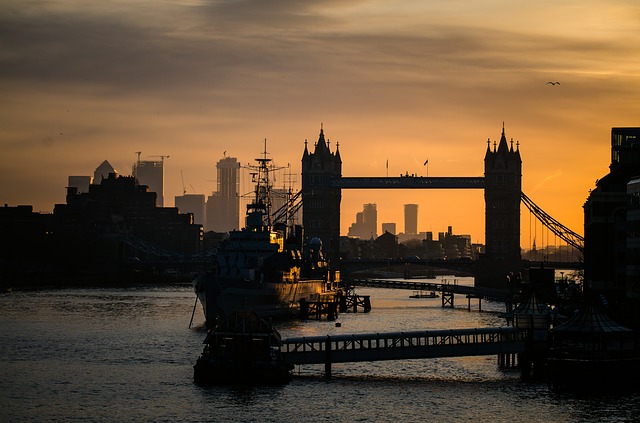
(221, 296)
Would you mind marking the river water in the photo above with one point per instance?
(127, 355)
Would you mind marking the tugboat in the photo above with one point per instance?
(242, 349)
(267, 266)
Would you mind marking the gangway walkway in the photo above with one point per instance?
(402, 345)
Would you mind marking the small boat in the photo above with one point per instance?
(242, 349)
(422, 294)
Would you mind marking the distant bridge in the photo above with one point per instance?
(439, 286)
(402, 345)
(464, 266)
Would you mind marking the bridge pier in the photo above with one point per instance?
(351, 302)
(508, 360)
(319, 308)
(479, 297)
(447, 299)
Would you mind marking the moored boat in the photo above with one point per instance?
(268, 266)
(422, 294)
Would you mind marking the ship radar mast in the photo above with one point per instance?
(259, 210)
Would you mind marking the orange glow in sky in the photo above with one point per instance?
(82, 82)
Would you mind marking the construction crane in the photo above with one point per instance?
(136, 164)
(161, 157)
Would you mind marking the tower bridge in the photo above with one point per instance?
(321, 194)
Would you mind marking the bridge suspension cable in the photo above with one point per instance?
(566, 234)
(288, 209)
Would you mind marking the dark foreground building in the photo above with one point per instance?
(611, 224)
(112, 233)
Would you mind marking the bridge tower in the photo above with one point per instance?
(502, 188)
(321, 201)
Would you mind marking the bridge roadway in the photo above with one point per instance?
(402, 345)
(442, 286)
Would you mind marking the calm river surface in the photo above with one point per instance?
(127, 355)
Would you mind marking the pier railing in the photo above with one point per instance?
(403, 345)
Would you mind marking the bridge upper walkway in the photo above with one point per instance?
(402, 345)
(409, 181)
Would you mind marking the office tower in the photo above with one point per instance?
(80, 183)
(370, 215)
(151, 174)
(365, 226)
(410, 218)
(223, 206)
(389, 227)
(102, 172)
(192, 203)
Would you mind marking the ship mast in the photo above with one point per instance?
(259, 210)
(263, 186)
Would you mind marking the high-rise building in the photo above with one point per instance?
(223, 206)
(192, 203)
(370, 220)
(80, 183)
(389, 227)
(410, 218)
(365, 226)
(151, 174)
(102, 172)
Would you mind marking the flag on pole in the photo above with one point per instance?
(387, 163)
(425, 162)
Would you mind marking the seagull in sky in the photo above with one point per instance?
(553, 83)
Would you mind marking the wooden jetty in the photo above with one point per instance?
(330, 306)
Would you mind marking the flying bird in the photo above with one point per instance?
(553, 83)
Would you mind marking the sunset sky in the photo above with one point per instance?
(404, 81)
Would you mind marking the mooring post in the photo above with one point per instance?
(367, 304)
(327, 359)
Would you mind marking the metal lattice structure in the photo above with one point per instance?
(566, 234)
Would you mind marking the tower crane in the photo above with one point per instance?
(161, 157)
(136, 164)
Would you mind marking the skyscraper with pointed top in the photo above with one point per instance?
(320, 200)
